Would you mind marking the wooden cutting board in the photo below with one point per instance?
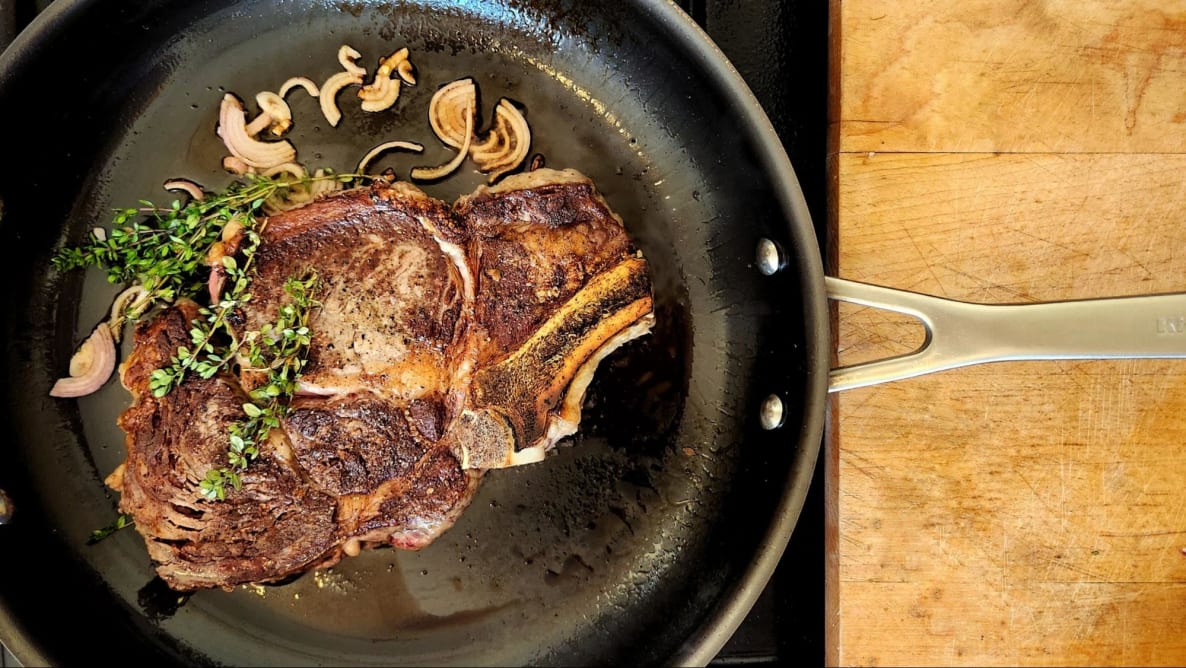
(1029, 513)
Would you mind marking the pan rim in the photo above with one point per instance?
(713, 65)
(704, 645)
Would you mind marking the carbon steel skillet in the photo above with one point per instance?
(644, 540)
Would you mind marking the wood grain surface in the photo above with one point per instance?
(1029, 513)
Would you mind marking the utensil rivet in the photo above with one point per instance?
(772, 413)
(769, 257)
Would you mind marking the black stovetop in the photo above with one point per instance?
(780, 48)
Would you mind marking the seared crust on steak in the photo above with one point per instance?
(391, 299)
(274, 526)
(559, 286)
(447, 341)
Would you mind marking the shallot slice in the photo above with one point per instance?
(90, 367)
(346, 56)
(185, 185)
(380, 94)
(507, 144)
(323, 183)
(275, 106)
(298, 190)
(451, 111)
(299, 82)
(232, 129)
(128, 305)
(258, 124)
(235, 165)
(434, 173)
(329, 94)
(383, 90)
(293, 169)
(226, 246)
(406, 71)
(383, 148)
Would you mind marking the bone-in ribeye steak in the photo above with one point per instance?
(449, 340)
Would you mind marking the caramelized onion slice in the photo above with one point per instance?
(273, 105)
(259, 124)
(407, 72)
(346, 56)
(232, 128)
(507, 143)
(383, 148)
(128, 305)
(324, 182)
(185, 185)
(383, 91)
(434, 173)
(91, 365)
(235, 165)
(299, 82)
(380, 94)
(329, 94)
(295, 194)
(451, 112)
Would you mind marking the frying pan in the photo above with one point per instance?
(645, 539)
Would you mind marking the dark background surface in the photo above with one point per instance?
(780, 49)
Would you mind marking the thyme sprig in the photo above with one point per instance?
(124, 520)
(277, 352)
(164, 250)
(205, 358)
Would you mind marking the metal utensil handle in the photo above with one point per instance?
(962, 333)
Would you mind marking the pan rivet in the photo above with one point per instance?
(5, 508)
(769, 257)
(772, 412)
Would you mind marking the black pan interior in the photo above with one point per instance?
(638, 541)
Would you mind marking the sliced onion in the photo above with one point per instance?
(275, 106)
(451, 112)
(215, 283)
(390, 63)
(192, 189)
(406, 72)
(324, 183)
(329, 94)
(383, 91)
(297, 192)
(99, 233)
(507, 143)
(128, 299)
(235, 165)
(380, 94)
(90, 367)
(259, 124)
(383, 148)
(346, 56)
(128, 305)
(301, 82)
(233, 130)
(293, 169)
(434, 173)
(227, 245)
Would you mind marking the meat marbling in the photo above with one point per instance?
(449, 341)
